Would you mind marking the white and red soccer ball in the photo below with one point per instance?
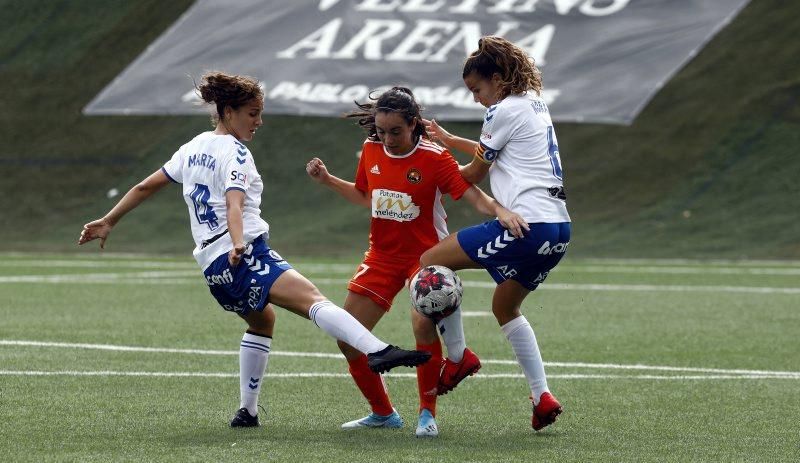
(436, 291)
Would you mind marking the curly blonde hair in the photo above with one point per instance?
(496, 55)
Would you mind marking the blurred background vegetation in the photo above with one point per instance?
(709, 169)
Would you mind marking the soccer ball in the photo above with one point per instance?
(436, 291)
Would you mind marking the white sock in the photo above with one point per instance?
(452, 330)
(341, 325)
(520, 334)
(253, 357)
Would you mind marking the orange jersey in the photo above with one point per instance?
(406, 196)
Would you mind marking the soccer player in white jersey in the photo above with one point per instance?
(222, 189)
(519, 151)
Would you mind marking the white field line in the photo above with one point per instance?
(348, 268)
(611, 287)
(678, 270)
(269, 376)
(703, 262)
(188, 277)
(106, 256)
(612, 366)
(101, 264)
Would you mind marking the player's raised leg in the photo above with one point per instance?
(461, 362)
(296, 293)
(506, 305)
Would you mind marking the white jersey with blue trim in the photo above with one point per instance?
(519, 141)
(209, 166)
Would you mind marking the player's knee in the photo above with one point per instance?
(426, 258)
(350, 353)
(262, 322)
(424, 329)
(504, 315)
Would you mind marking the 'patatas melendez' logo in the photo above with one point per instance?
(393, 205)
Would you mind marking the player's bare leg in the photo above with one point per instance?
(461, 362)
(253, 358)
(506, 305)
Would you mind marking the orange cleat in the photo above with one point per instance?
(546, 412)
(453, 373)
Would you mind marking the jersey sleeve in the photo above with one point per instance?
(239, 169)
(361, 172)
(498, 126)
(172, 168)
(449, 176)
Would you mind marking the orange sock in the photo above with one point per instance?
(371, 385)
(428, 376)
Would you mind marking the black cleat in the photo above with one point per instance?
(386, 359)
(243, 419)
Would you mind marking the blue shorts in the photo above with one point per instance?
(245, 288)
(527, 260)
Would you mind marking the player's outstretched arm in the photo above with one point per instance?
(485, 204)
(450, 141)
(316, 170)
(101, 228)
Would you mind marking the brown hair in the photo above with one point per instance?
(398, 100)
(516, 69)
(227, 90)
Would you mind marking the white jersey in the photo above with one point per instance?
(519, 141)
(209, 166)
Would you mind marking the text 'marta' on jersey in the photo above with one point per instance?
(405, 194)
(519, 141)
(207, 167)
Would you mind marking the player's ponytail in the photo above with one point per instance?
(227, 90)
(517, 70)
(399, 100)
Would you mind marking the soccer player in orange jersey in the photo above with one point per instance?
(401, 177)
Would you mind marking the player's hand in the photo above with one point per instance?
(513, 222)
(99, 228)
(436, 131)
(316, 170)
(235, 255)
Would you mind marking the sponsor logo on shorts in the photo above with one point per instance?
(254, 296)
(224, 278)
(507, 272)
(542, 276)
(233, 308)
(558, 248)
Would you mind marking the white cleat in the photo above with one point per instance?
(374, 420)
(426, 427)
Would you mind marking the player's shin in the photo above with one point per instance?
(253, 357)
(520, 334)
(452, 331)
(371, 386)
(428, 376)
(341, 325)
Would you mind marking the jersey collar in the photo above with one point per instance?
(400, 156)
